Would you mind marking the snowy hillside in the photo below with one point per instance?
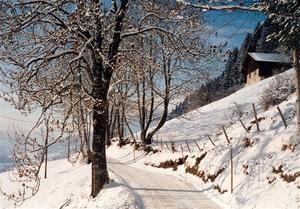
(266, 164)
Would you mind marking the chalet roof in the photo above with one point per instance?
(269, 57)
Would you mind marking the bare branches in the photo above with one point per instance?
(78, 62)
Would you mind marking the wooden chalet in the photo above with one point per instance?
(259, 66)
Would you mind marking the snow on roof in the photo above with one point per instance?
(269, 57)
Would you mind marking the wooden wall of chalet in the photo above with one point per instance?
(257, 71)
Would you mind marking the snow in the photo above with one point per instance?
(270, 57)
(160, 190)
(250, 190)
(68, 186)
(181, 1)
(137, 185)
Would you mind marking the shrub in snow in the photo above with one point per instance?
(278, 90)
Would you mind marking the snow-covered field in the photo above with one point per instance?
(68, 186)
(258, 181)
(264, 163)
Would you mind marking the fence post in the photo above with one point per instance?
(173, 147)
(211, 140)
(161, 144)
(187, 144)
(282, 117)
(255, 115)
(226, 135)
(244, 125)
(197, 146)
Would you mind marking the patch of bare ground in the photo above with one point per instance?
(286, 177)
(218, 188)
(290, 147)
(197, 172)
(247, 142)
(169, 163)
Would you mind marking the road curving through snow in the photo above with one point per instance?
(160, 191)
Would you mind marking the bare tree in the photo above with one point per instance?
(61, 55)
(150, 74)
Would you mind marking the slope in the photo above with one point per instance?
(266, 163)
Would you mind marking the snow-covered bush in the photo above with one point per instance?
(278, 90)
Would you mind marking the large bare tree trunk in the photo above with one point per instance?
(296, 66)
(100, 124)
(99, 167)
(102, 77)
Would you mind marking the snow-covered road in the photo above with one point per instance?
(155, 191)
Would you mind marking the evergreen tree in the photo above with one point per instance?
(254, 38)
(242, 57)
(262, 44)
(230, 77)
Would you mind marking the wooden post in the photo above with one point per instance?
(226, 135)
(211, 140)
(255, 115)
(173, 147)
(182, 151)
(231, 170)
(161, 144)
(282, 117)
(197, 146)
(187, 144)
(244, 126)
